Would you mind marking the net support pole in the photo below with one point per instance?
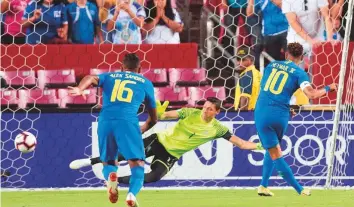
(341, 83)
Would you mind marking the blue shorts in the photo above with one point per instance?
(120, 136)
(271, 128)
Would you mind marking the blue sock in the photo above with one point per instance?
(285, 171)
(268, 167)
(107, 169)
(136, 180)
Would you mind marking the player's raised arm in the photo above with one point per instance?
(161, 111)
(86, 82)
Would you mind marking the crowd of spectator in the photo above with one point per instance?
(269, 25)
(89, 22)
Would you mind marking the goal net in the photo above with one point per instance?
(34, 98)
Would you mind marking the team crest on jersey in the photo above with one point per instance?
(57, 14)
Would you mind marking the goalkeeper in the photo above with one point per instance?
(194, 128)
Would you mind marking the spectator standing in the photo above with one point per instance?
(163, 23)
(275, 26)
(83, 22)
(127, 21)
(43, 19)
(306, 23)
(13, 11)
(248, 85)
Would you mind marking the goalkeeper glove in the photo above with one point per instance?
(161, 108)
(259, 146)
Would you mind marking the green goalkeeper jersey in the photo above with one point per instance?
(190, 132)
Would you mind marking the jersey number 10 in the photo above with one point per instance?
(273, 79)
(118, 91)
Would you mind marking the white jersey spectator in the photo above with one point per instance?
(163, 23)
(305, 18)
(127, 20)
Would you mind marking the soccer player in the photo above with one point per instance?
(118, 126)
(305, 20)
(194, 128)
(280, 80)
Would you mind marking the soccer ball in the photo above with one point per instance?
(25, 142)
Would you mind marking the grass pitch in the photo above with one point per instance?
(180, 198)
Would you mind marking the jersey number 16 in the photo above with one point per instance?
(118, 91)
(274, 79)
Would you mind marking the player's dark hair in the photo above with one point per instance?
(215, 101)
(131, 61)
(295, 49)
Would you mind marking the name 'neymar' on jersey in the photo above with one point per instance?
(280, 80)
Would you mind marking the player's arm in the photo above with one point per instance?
(176, 114)
(240, 143)
(224, 132)
(246, 145)
(151, 107)
(86, 82)
(312, 93)
(168, 115)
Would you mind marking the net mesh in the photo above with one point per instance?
(220, 30)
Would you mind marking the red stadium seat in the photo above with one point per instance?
(176, 95)
(8, 98)
(69, 101)
(187, 77)
(56, 78)
(38, 97)
(157, 76)
(198, 95)
(17, 79)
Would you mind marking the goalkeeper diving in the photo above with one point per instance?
(194, 128)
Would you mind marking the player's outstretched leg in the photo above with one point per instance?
(136, 181)
(158, 170)
(285, 171)
(268, 167)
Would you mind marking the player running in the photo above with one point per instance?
(118, 125)
(194, 128)
(280, 80)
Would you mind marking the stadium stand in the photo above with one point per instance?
(65, 100)
(18, 79)
(187, 77)
(37, 98)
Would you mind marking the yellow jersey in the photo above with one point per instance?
(248, 85)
